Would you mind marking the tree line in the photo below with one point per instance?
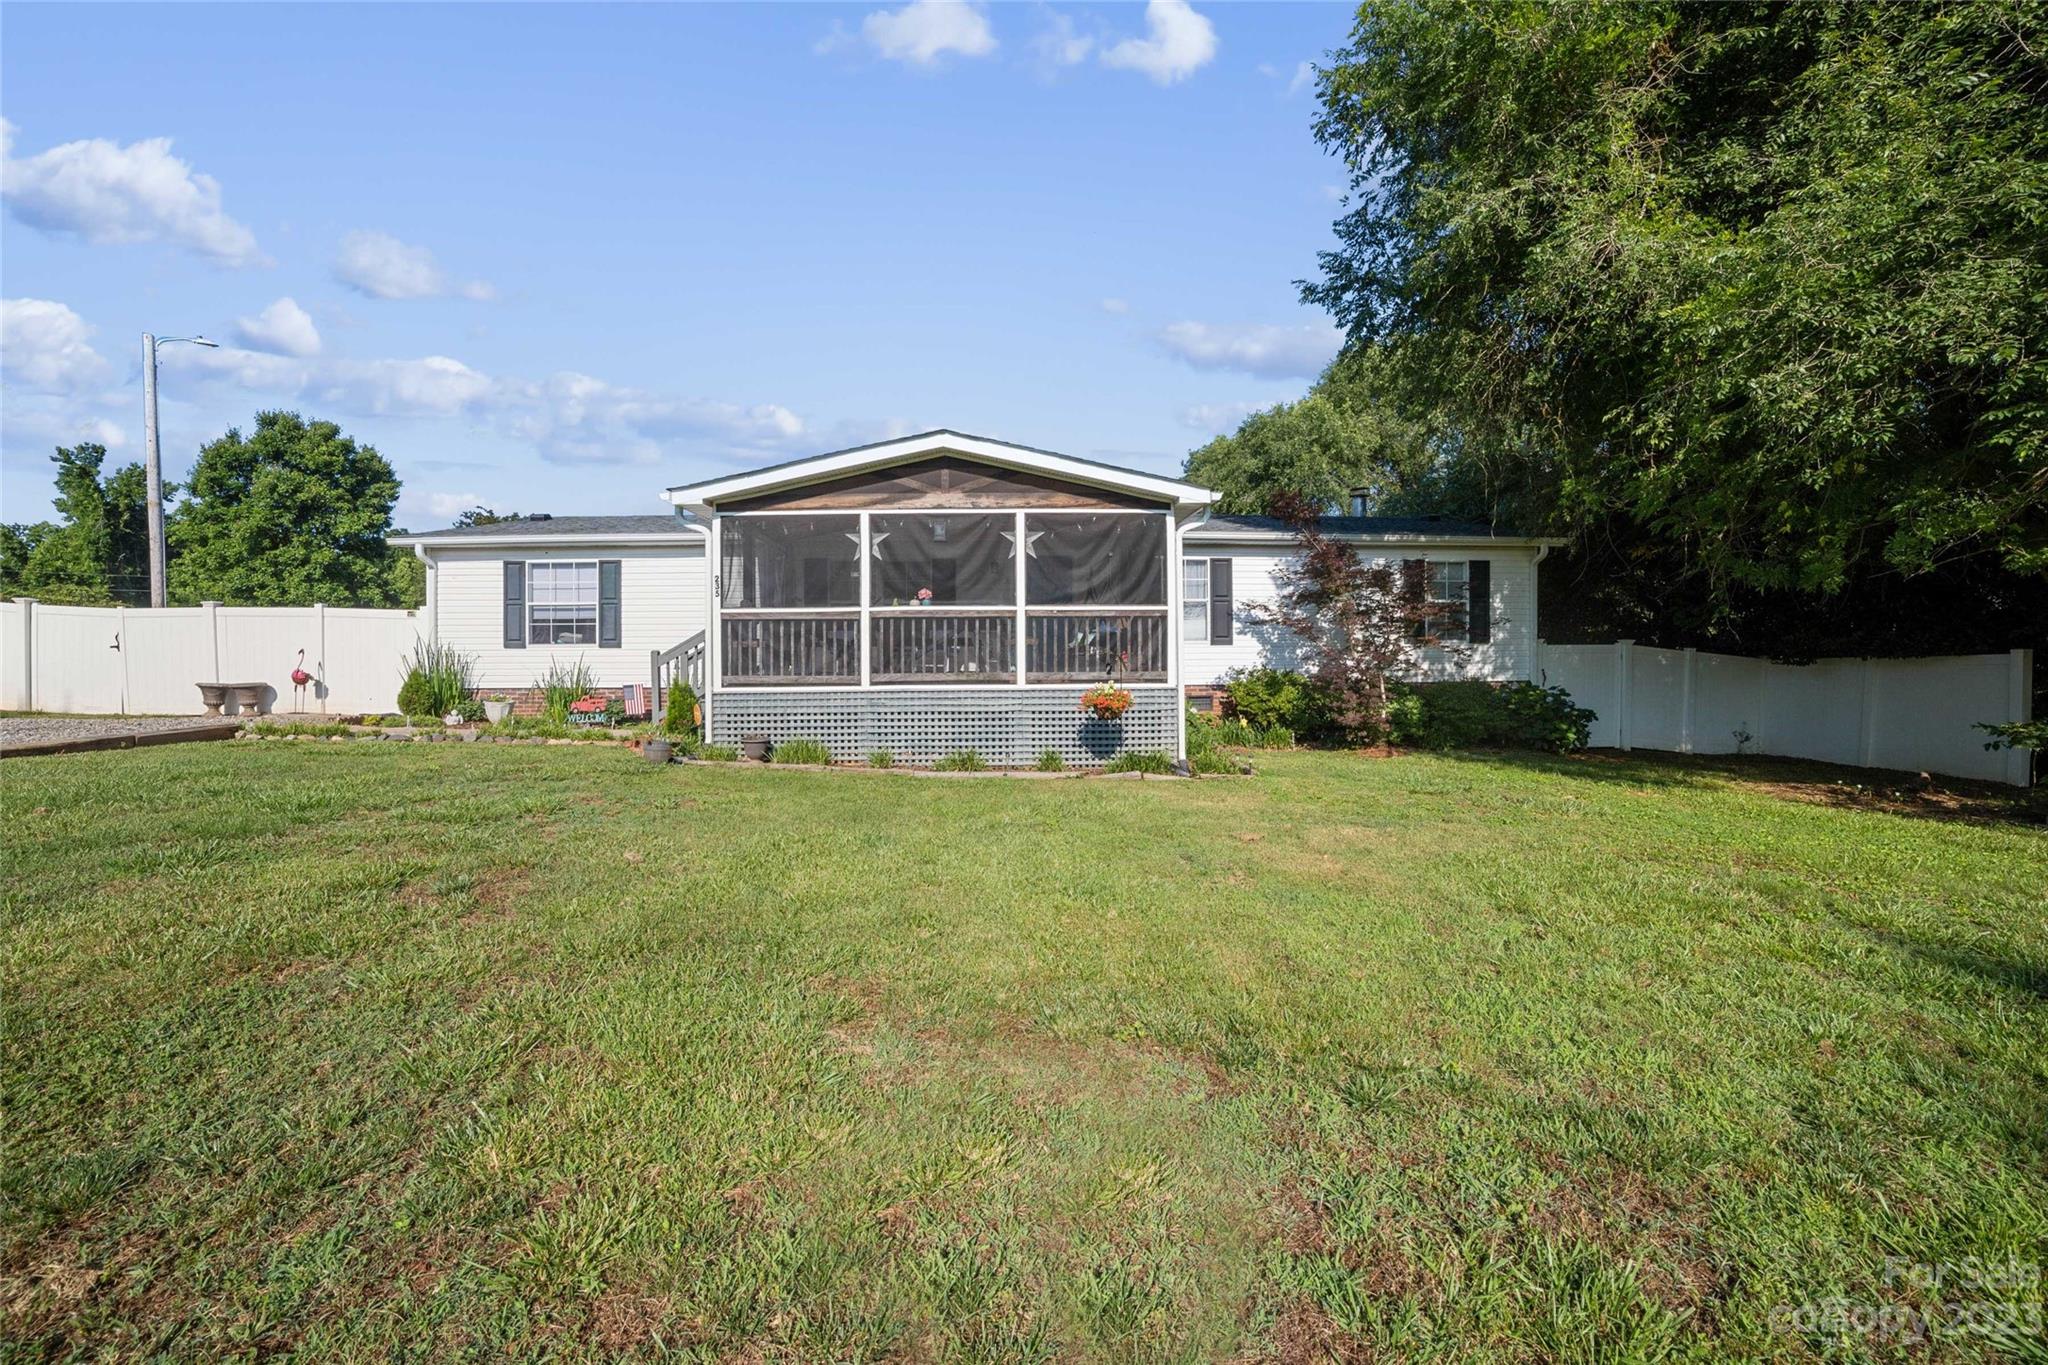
(294, 512)
(1747, 300)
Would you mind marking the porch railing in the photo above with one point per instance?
(685, 663)
(930, 646)
(1090, 646)
(767, 651)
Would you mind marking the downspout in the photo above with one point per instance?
(427, 603)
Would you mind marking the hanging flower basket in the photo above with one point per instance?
(1106, 701)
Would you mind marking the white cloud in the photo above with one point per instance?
(925, 30)
(1215, 417)
(577, 419)
(1060, 45)
(568, 418)
(1304, 77)
(273, 376)
(1177, 43)
(107, 193)
(432, 386)
(1261, 349)
(46, 347)
(283, 328)
(1116, 306)
(448, 506)
(378, 264)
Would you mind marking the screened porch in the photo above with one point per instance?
(938, 598)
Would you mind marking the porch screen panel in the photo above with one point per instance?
(1095, 559)
(784, 562)
(1095, 584)
(965, 561)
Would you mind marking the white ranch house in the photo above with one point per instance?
(934, 593)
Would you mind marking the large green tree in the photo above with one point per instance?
(1764, 285)
(293, 513)
(1348, 434)
(98, 551)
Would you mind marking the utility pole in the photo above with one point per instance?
(152, 467)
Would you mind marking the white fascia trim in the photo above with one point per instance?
(700, 497)
(428, 540)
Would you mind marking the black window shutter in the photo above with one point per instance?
(1479, 601)
(515, 604)
(607, 604)
(1219, 602)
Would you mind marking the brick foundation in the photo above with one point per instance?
(1206, 699)
(529, 701)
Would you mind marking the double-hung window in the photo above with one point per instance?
(1449, 596)
(562, 603)
(1194, 601)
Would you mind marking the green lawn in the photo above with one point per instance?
(445, 1052)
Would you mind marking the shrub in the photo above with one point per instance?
(1051, 762)
(312, 729)
(561, 685)
(718, 753)
(1473, 715)
(470, 709)
(1139, 761)
(800, 751)
(1273, 698)
(881, 758)
(680, 715)
(1209, 732)
(412, 694)
(965, 761)
(1213, 762)
(438, 679)
(2019, 734)
(424, 722)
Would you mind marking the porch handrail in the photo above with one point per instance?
(688, 660)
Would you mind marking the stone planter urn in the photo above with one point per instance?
(755, 747)
(497, 711)
(657, 751)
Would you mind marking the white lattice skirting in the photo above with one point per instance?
(1008, 726)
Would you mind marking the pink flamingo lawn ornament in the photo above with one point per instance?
(300, 677)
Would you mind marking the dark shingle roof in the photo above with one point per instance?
(568, 526)
(1363, 526)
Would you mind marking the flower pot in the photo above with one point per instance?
(497, 711)
(657, 751)
(755, 747)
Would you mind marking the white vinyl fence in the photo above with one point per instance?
(1914, 714)
(136, 661)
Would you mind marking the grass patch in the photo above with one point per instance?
(964, 761)
(809, 751)
(435, 1051)
(1140, 761)
(881, 758)
(1051, 762)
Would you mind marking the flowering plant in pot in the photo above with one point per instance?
(497, 708)
(1106, 701)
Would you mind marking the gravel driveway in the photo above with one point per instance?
(38, 729)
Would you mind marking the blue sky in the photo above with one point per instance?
(555, 259)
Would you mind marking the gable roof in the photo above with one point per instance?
(1273, 529)
(665, 528)
(704, 496)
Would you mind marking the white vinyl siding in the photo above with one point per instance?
(663, 598)
(1509, 655)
